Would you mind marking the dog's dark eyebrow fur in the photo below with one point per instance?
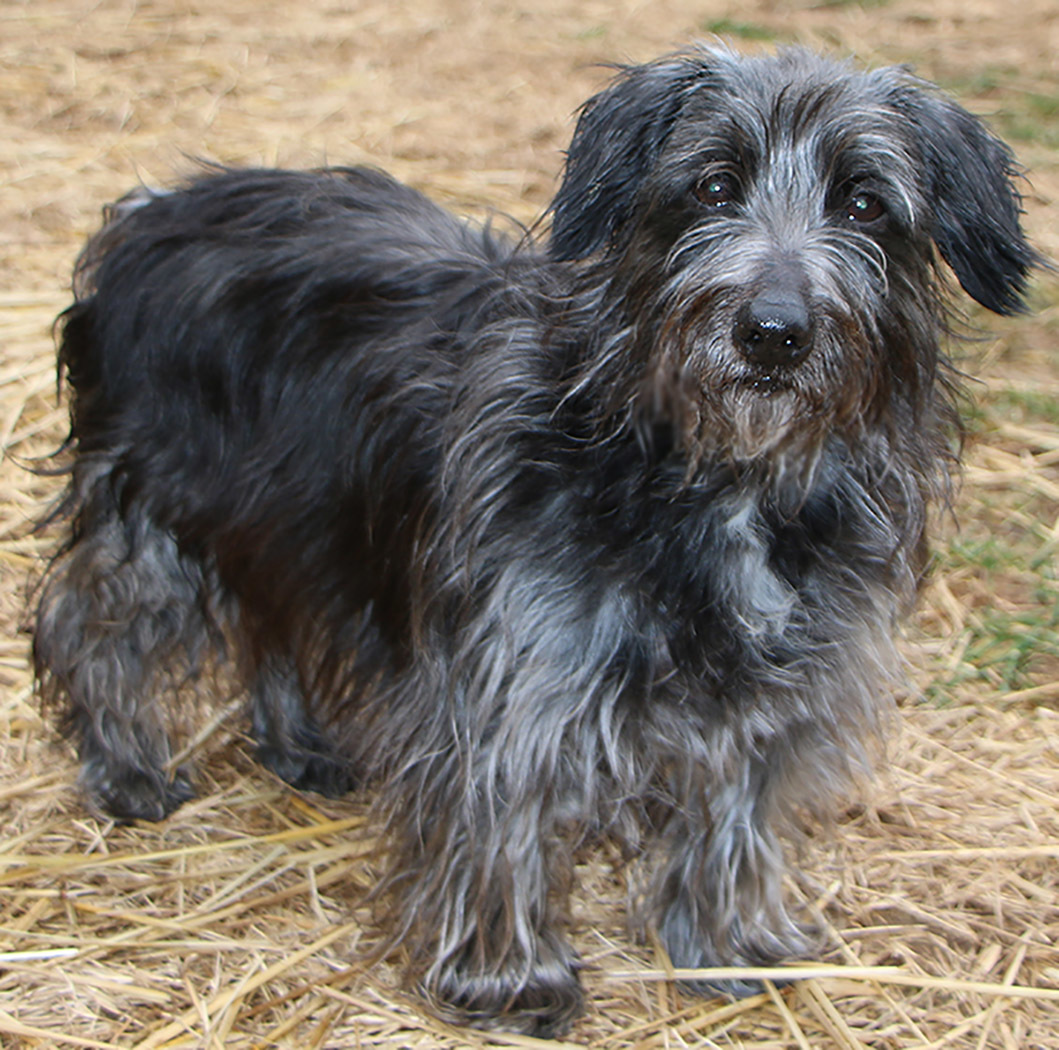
(603, 535)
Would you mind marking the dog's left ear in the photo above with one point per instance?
(619, 135)
(969, 180)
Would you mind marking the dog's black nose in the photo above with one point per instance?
(774, 328)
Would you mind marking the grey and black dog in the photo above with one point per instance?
(605, 534)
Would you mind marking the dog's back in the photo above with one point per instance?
(252, 360)
(212, 289)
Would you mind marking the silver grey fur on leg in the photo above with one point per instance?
(117, 607)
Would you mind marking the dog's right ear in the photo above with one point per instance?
(619, 135)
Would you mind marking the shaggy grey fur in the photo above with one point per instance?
(603, 536)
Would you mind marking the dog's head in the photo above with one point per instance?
(768, 226)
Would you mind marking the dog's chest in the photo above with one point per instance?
(739, 575)
(745, 577)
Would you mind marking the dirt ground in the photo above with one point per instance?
(234, 923)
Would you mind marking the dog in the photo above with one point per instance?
(603, 531)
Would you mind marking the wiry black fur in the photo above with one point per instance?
(607, 535)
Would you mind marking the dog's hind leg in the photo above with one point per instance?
(289, 742)
(118, 609)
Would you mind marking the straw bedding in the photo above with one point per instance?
(236, 922)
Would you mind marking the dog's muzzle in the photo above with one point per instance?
(774, 328)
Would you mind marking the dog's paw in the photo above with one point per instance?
(289, 742)
(308, 770)
(737, 946)
(729, 988)
(543, 1003)
(128, 793)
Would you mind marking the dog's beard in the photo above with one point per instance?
(723, 407)
(728, 411)
(761, 419)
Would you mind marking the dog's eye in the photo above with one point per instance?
(864, 207)
(716, 191)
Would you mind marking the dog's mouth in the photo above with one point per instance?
(770, 382)
(723, 406)
(746, 380)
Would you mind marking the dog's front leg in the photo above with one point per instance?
(481, 875)
(502, 962)
(719, 896)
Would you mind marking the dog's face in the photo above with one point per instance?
(768, 227)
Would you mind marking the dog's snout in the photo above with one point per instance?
(774, 328)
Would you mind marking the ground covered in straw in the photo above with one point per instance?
(234, 923)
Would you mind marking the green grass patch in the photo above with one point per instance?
(988, 554)
(1044, 106)
(1027, 129)
(1005, 647)
(1026, 116)
(1021, 406)
(1029, 116)
(983, 81)
(867, 4)
(1012, 631)
(1005, 650)
(741, 30)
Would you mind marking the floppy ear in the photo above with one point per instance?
(618, 137)
(969, 179)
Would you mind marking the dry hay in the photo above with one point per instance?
(235, 922)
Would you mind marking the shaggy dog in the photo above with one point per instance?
(605, 534)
